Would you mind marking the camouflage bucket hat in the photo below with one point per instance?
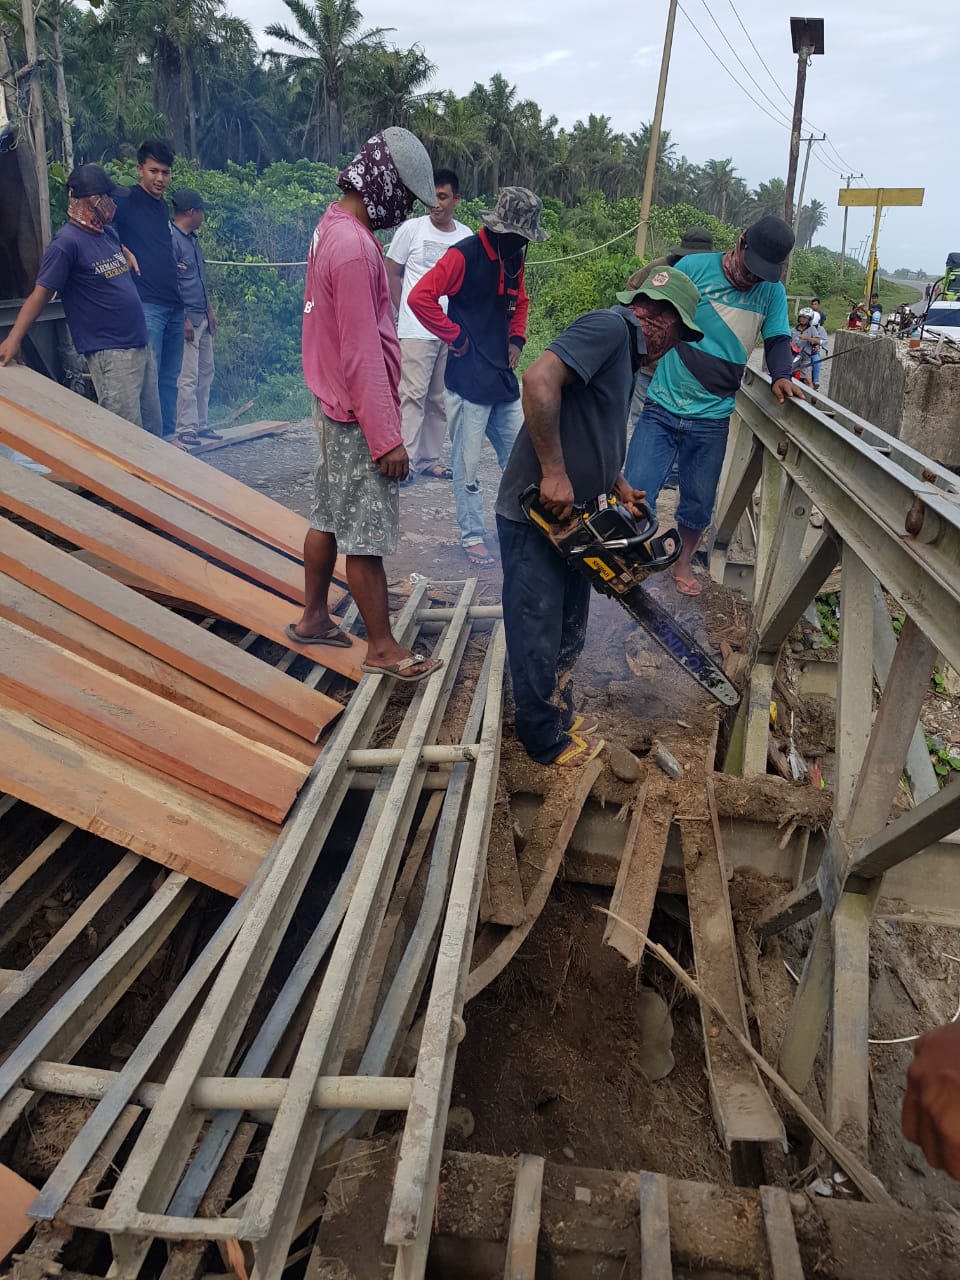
(517, 213)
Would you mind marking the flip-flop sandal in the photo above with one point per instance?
(397, 670)
(335, 638)
(208, 433)
(687, 586)
(479, 561)
(409, 480)
(585, 726)
(437, 472)
(580, 751)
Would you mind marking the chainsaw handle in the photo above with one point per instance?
(646, 521)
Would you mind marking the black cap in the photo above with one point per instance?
(695, 240)
(767, 245)
(91, 180)
(186, 199)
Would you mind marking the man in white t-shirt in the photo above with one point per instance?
(418, 245)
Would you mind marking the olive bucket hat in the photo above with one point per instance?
(667, 284)
(517, 213)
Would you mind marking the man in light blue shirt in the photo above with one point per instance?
(688, 407)
(200, 322)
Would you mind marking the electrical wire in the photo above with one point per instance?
(740, 86)
(532, 262)
(750, 76)
(845, 167)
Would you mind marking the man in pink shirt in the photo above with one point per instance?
(351, 362)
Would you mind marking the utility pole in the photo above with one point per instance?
(654, 147)
(807, 37)
(803, 179)
(848, 178)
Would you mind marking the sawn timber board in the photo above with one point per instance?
(171, 568)
(163, 634)
(24, 392)
(44, 617)
(136, 808)
(209, 536)
(70, 693)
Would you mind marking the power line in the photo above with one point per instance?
(749, 74)
(742, 87)
(845, 167)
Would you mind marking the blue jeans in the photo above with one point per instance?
(165, 335)
(546, 605)
(640, 388)
(469, 423)
(697, 445)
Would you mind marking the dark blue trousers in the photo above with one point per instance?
(545, 610)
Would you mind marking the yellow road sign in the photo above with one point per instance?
(870, 197)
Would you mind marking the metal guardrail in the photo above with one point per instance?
(892, 521)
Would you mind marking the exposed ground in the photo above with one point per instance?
(550, 1060)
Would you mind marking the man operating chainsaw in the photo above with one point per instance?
(576, 398)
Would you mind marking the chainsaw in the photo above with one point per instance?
(616, 551)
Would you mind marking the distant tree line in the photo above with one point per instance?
(122, 70)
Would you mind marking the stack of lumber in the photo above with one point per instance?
(117, 713)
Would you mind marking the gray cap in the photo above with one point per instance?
(413, 164)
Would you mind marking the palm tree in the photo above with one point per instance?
(388, 87)
(717, 184)
(812, 218)
(454, 136)
(328, 43)
(768, 199)
(496, 103)
(638, 146)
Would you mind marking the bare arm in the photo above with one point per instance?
(542, 393)
(395, 279)
(32, 307)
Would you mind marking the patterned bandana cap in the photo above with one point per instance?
(374, 176)
(92, 212)
(517, 213)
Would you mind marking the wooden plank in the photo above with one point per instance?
(145, 588)
(26, 394)
(72, 694)
(163, 634)
(742, 1107)
(502, 887)
(785, 1261)
(655, 1259)
(638, 877)
(545, 849)
(162, 511)
(524, 1234)
(169, 567)
(240, 435)
(135, 807)
(16, 1196)
(44, 617)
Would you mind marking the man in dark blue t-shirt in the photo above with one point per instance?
(85, 264)
(576, 399)
(143, 222)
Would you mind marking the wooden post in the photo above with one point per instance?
(651, 170)
(35, 117)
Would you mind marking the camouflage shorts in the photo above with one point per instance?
(351, 499)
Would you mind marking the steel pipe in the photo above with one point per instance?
(231, 1093)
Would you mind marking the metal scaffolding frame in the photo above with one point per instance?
(892, 523)
(196, 1111)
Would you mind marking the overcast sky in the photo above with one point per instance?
(882, 91)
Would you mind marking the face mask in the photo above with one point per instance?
(373, 175)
